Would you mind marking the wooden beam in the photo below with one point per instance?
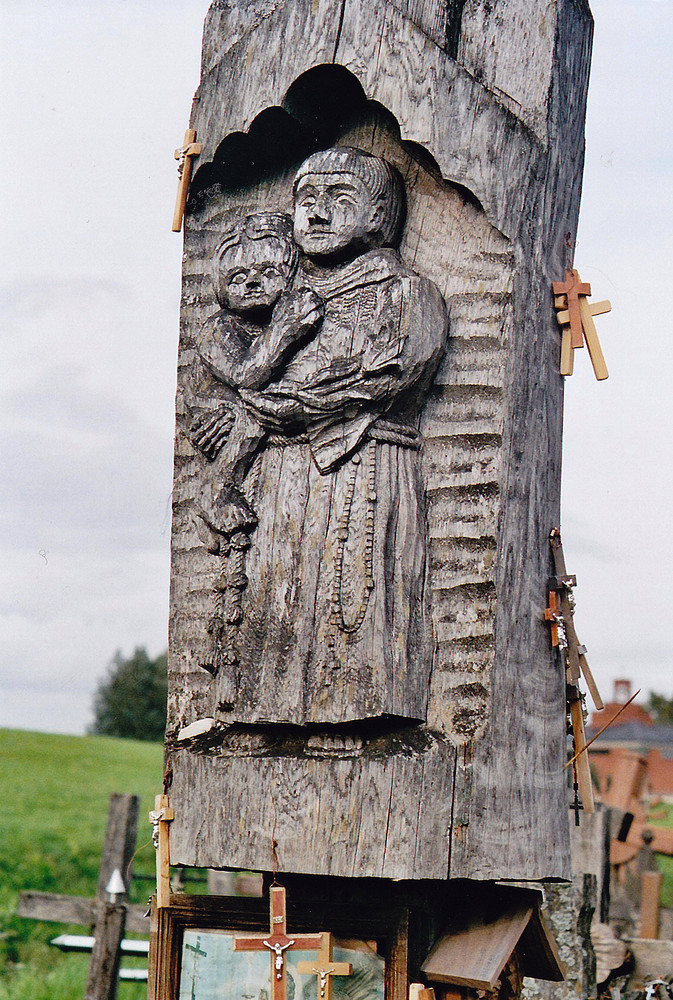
(57, 908)
(110, 924)
(184, 155)
(593, 343)
(650, 904)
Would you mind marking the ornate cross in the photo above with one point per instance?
(324, 968)
(184, 155)
(575, 316)
(278, 942)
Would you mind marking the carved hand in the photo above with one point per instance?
(295, 315)
(272, 409)
(210, 430)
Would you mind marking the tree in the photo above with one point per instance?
(661, 709)
(131, 700)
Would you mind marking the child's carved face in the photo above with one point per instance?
(253, 275)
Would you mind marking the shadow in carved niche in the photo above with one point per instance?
(336, 488)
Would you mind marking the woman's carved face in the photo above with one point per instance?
(333, 212)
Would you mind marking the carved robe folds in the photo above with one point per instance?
(336, 621)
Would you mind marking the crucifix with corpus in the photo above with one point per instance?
(184, 155)
(325, 968)
(278, 942)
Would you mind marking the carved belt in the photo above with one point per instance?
(385, 431)
(392, 432)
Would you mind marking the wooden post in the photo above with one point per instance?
(120, 840)
(110, 918)
(118, 848)
(649, 904)
(104, 965)
(448, 675)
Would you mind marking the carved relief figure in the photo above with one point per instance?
(260, 324)
(336, 624)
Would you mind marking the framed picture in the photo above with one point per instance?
(193, 955)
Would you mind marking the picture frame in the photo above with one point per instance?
(194, 926)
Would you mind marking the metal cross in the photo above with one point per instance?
(324, 968)
(278, 942)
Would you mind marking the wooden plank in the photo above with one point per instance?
(163, 815)
(56, 907)
(650, 904)
(593, 343)
(581, 765)
(337, 821)
(62, 909)
(476, 955)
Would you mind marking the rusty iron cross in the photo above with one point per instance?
(278, 942)
(324, 968)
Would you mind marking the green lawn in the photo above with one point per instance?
(662, 815)
(54, 792)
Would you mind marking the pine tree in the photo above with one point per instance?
(131, 700)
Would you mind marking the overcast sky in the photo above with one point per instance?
(96, 98)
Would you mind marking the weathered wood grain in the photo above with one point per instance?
(120, 839)
(53, 906)
(485, 798)
(376, 813)
(106, 953)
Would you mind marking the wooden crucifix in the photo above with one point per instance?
(278, 942)
(575, 316)
(325, 968)
(184, 155)
(160, 817)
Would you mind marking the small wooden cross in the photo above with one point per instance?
(160, 817)
(571, 289)
(278, 942)
(575, 316)
(184, 155)
(324, 968)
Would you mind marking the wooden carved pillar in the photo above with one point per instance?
(369, 439)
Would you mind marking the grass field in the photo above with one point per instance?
(662, 815)
(54, 792)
